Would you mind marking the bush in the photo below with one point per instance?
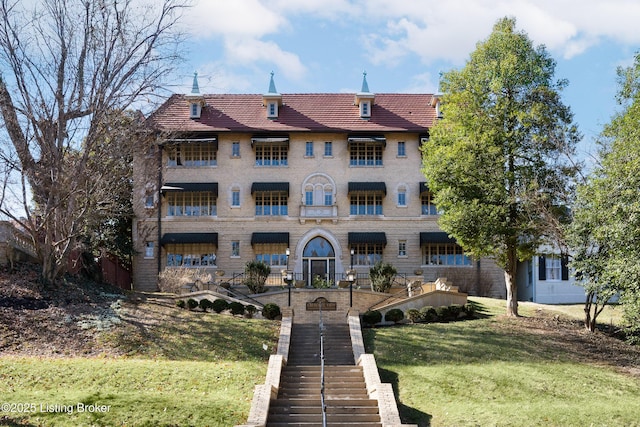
(236, 308)
(256, 274)
(371, 317)
(181, 304)
(173, 280)
(381, 275)
(442, 313)
(205, 304)
(250, 310)
(455, 311)
(429, 314)
(394, 315)
(219, 305)
(414, 315)
(270, 311)
(191, 303)
(469, 310)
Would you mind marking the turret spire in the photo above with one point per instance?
(365, 85)
(272, 85)
(195, 90)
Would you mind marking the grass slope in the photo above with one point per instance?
(498, 371)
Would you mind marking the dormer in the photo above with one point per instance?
(195, 99)
(436, 103)
(272, 100)
(364, 99)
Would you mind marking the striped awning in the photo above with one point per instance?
(257, 187)
(168, 238)
(367, 187)
(270, 238)
(427, 237)
(375, 138)
(377, 237)
(269, 139)
(211, 187)
(194, 138)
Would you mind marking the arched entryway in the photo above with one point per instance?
(319, 261)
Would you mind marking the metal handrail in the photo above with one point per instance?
(322, 404)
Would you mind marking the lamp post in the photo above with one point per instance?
(287, 275)
(351, 277)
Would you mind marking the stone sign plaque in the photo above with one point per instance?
(323, 303)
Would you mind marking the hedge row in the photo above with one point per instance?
(424, 315)
(270, 311)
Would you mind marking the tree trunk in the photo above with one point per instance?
(510, 283)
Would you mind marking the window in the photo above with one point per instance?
(235, 248)
(194, 111)
(328, 197)
(365, 109)
(271, 203)
(553, 266)
(191, 255)
(365, 154)
(402, 248)
(444, 254)
(235, 149)
(366, 253)
(366, 204)
(235, 198)
(148, 202)
(271, 154)
(148, 249)
(273, 110)
(428, 208)
(201, 203)
(193, 155)
(402, 149)
(328, 149)
(309, 149)
(308, 197)
(402, 197)
(271, 253)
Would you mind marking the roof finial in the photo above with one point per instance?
(272, 85)
(194, 88)
(365, 86)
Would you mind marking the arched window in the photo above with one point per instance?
(318, 247)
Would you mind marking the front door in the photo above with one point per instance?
(319, 262)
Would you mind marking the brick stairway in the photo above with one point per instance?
(298, 402)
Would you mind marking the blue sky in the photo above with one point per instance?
(325, 45)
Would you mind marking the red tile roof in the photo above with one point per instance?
(316, 112)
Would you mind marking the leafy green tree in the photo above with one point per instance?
(605, 233)
(495, 161)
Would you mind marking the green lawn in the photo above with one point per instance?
(193, 369)
(494, 372)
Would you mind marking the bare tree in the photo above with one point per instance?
(67, 67)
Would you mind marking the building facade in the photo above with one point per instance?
(315, 183)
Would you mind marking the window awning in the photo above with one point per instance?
(378, 238)
(424, 188)
(194, 138)
(376, 138)
(191, 186)
(168, 238)
(427, 237)
(367, 187)
(270, 238)
(270, 139)
(270, 187)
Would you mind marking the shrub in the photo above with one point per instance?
(429, 314)
(256, 274)
(414, 315)
(469, 310)
(236, 308)
(191, 303)
(180, 303)
(320, 283)
(455, 311)
(173, 280)
(381, 275)
(205, 304)
(371, 317)
(250, 310)
(270, 311)
(394, 315)
(219, 305)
